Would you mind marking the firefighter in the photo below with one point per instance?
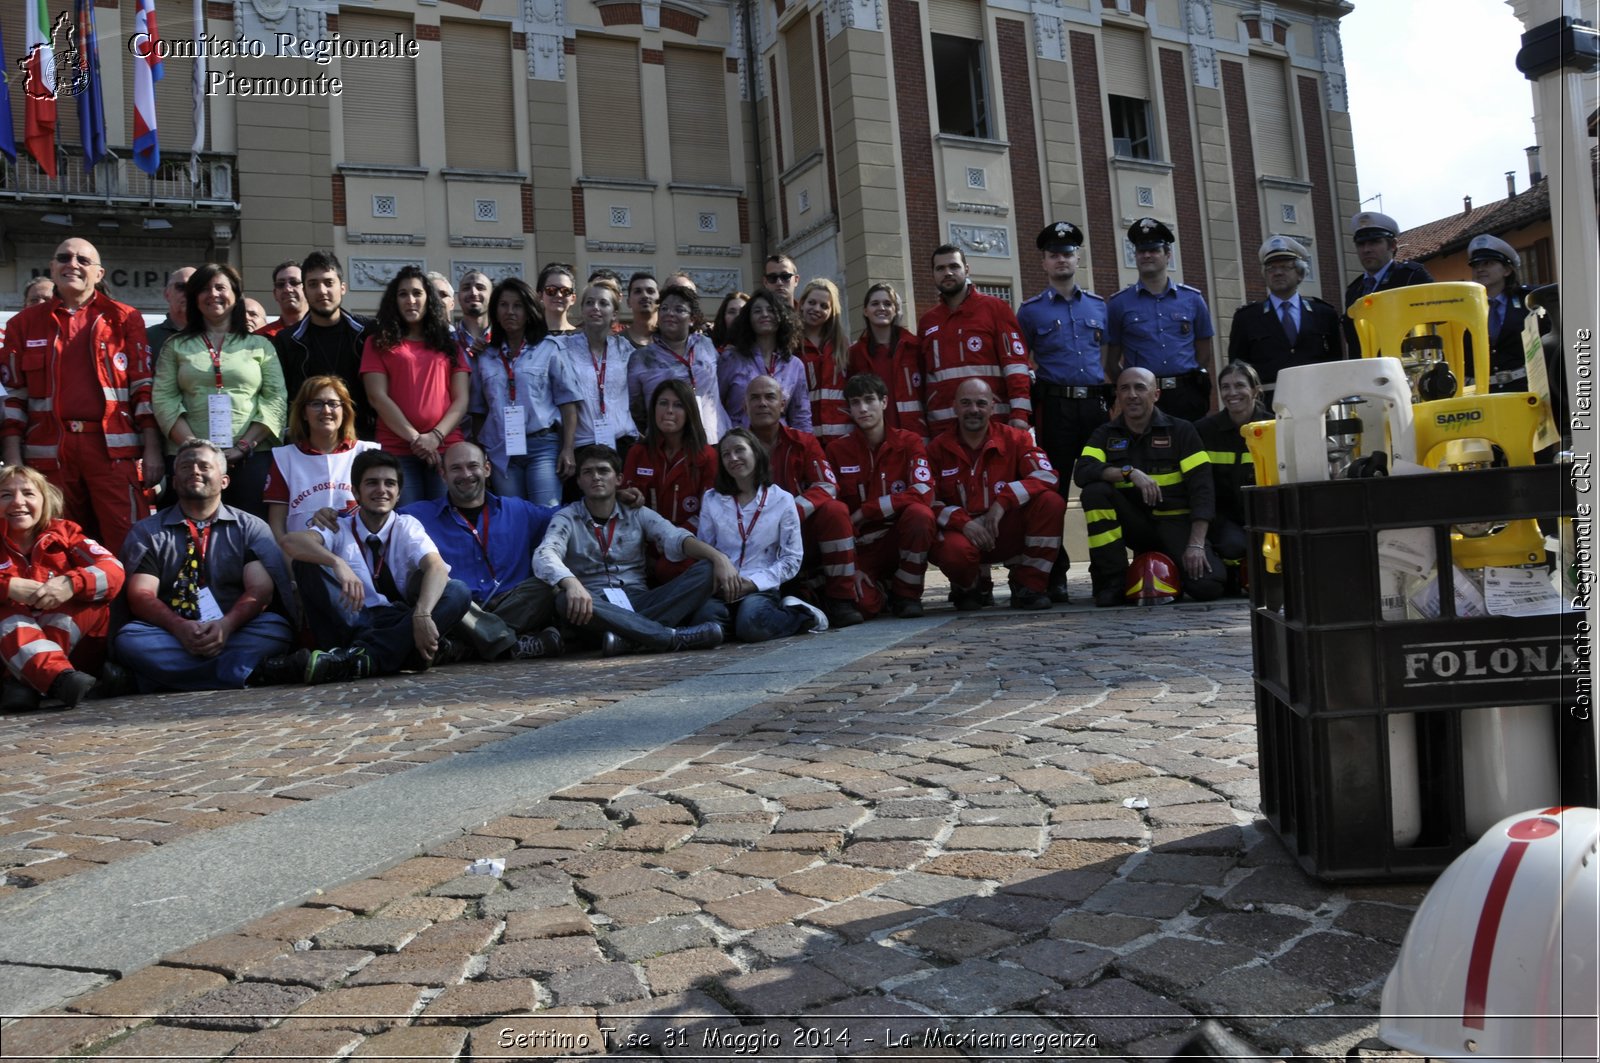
(1146, 485)
(885, 479)
(995, 500)
(77, 370)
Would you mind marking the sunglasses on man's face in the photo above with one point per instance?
(67, 258)
(780, 278)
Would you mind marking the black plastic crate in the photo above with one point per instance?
(1327, 790)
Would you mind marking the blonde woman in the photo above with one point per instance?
(826, 353)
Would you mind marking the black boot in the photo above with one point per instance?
(71, 687)
(697, 637)
(18, 696)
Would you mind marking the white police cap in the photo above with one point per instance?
(1485, 246)
(1283, 247)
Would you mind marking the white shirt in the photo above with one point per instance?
(768, 552)
(617, 421)
(405, 544)
(312, 481)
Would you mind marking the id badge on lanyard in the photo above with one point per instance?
(219, 420)
(515, 419)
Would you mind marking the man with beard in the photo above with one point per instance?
(1145, 485)
(328, 340)
(200, 578)
(967, 336)
(288, 291)
(995, 500)
(378, 596)
(488, 542)
(1160, 325)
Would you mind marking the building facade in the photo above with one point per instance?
(854, 135)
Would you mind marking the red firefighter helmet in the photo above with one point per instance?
(1153, 579)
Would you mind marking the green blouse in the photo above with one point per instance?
(251, 377)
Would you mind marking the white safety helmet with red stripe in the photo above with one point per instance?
(1500, 961)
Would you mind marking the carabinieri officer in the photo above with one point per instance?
(1161, 326)
(1065, 329)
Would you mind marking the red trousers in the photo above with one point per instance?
(38, 647)
(104, 496)
(830, 543)
(896, 554)
(1028, 542)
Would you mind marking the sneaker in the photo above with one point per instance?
(547, 643)
(283, 668)
(331, 666)
(905, 608)
(842, 613)
(819, 618)
(1029, 599)
(71, 687)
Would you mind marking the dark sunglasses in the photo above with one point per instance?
(555, 292)
(780, 278)
(67, 258)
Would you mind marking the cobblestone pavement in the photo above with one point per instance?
(1016, 836)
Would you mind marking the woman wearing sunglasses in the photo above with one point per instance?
(557, 296)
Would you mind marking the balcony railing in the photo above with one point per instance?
(117, 181)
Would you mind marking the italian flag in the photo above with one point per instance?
(39, 119)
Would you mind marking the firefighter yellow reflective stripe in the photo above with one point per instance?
(1105, 538)
(1193, 461)
(1170, 512)
(1223, 457)
(1092, 515)
(1167, 479)
(1093, 452)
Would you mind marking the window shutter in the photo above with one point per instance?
(1272, 132)
(608, 107)
(803, 123)
(174, 92)
(696, 83)
(478, 127)
(956, 18)
(1127, 64)
(380, 96)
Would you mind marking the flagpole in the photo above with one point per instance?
(199, 88)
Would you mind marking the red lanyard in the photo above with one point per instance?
(216, 361)
(686, 359)
(605, 543)
(202, 541)
(772, 364)
(511, 378)
(600, 364)
(482, 539)
(738, 516)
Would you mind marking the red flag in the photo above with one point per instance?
(39, 82)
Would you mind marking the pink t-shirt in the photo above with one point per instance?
(419, 383)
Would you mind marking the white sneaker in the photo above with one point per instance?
(822, 618)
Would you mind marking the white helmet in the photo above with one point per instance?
(1500, 961)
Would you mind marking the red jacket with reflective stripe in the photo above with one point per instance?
(897, 365)
(1008, 469)
(882, 483)
(30, 368)
(979, 338)
(801, 468)
(672, 486)
(61, 549)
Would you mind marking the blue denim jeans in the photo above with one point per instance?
(160, 662)
(421, 481)
(758, 617)
(384, 631)
(532, 475)
(656, 612)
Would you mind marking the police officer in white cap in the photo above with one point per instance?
(1286, 328)
(1064, 328)
(1495, 264)
(1374, 235)
(1161, 326)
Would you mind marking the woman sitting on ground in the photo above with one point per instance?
(671, 468)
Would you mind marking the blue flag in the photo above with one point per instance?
(91, 95)
(8, 136)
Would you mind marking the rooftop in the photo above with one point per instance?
(1452, 233)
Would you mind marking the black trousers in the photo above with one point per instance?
(384, 631)
(1062, 425)
(1119, 521)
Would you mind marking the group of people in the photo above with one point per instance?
(345, 498)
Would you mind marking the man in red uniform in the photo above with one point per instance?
(800, 468)
(995, 500)
(885, 479)
(967, 336)
(77, 372)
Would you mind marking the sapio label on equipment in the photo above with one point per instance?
(1447, 420)
(1426, 664)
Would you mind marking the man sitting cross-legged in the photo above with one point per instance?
(350, 583)
(488, 541)
(593, 554)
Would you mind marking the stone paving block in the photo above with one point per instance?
(1143, 898)
(780, 944)
(433, 909)
(1227, 840)
(917, 888)
(866, 965)
(295, 924)
(710, 886)
(977, 865)
(425, 871)
(574, 839)
(243, 1006)
(563, 921)
(839, 818)
(374, 934)
(693, 857)
(803, 841)
(317, 968)
(559, 1033)
(758, 908)
(992, 839)
(1101, 928)
(661, 937)
(738, 834)
(899, 856)
(166, 1043)
(1069, 962)
(1175, 964)
(879, 830)
(831, 883)
(1328, 1035)
(645, 906)
(1084, 853)
(597, 985)
(953, 940)
(1277, 885)
(472, 847)
(365, 1009)
(1385, 922)
(1182, 869)
(1010, 911)
(539, 959)
(229, 954)
(472, 1002)
(1240, 995)
(1339, 963)
(1259, 931)
(651, 837)
(517, 828)
(784, 990)
(1065, 885)
(55, 1034)
(364, 897)
(442, 1043)
(47, 871)
(675, 972)
(467, 887)
(148, 991)
(624, 881)
(820, 799)
(861, 917)
(975, 986)
(912, 808)
(1117, 1012)
(407, 968)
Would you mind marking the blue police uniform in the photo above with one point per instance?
(1158, 333)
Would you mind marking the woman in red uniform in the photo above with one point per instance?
(827, 358)
(887, 348)
(58, 585)
(672, 468)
